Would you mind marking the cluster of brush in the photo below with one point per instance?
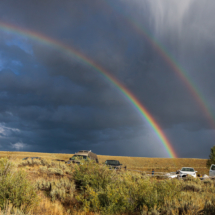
(92, 188)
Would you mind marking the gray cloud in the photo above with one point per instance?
(55, 102)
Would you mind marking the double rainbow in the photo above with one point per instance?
(74, 53)
(180, 72)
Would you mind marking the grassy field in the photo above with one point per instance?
(51, 187)
(134, 163)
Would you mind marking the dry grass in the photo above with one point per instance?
(159, 164)
(58, 194)
(47, 156)
(135, 163)
(47, 207)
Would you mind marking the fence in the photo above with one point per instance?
(169, 175)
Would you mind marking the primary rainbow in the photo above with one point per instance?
(181, 73)
(70, 51)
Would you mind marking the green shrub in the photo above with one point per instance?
(209, 207)
(51, 171)
(188, 207)
(153, 212)
(6, 167)
(208, 182)
(43, 169)
(30, 162)
(15, 187)
(192, 187)
(92, 174)
(62, 189)
(45, 163)
(55, 171)
(9, 209)
(111, 192)
(51, 164)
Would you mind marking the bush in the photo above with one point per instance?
(209, 207)
(55, 171)
(30, 163)
(211, 159)
(45, 163)
(62, 189)
(192, 187)
(102, 191)
(208, 182)
(51, 171)
(188, 207)
(109, 192)
(15, 187)
(10, 210)
(93, 175)
(153, 212)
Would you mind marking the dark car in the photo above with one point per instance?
(36, 158)
(32, 158)
(113, 164)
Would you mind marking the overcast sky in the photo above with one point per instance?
(54, 102)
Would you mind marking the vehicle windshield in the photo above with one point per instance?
(187, 169)
(78, 157)
(213, 167)
(112, 162)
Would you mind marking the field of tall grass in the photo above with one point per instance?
(52, 187)
(134, 163)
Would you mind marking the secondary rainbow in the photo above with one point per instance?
(181, 73)
(71, 51)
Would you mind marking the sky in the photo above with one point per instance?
(161, 51)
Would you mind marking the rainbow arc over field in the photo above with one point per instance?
(71, 51)
(173, 64)
(181, 73)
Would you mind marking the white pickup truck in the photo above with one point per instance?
(212, 170)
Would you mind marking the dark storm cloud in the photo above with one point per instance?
(54, 102)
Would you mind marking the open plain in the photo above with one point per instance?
(48, 186)
(134, 163)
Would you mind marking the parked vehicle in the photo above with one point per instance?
(185, 171)
(32, 158)
(212, 170)
(113, 164)
(83, 155)
(172, 175)
(59, 160)
(36, 158)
